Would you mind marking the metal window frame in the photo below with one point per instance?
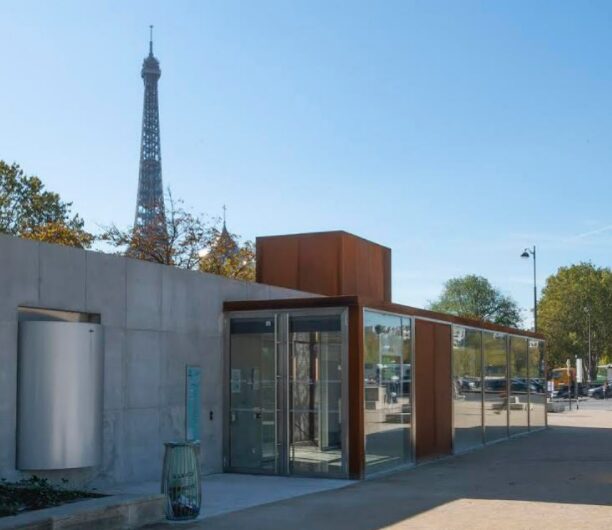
(482, 415)
(412, 449)
(527, 429)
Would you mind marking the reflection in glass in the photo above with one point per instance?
(537, 386)
(518, 403)
(495, 386)
(388, 382)
(315, 367)
(467, 388)
(253, 395)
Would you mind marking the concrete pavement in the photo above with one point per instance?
(558, 478)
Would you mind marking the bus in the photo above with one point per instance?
(561, 377)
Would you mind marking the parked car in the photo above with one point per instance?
(521, 386)
(598, 392)
(497, 384)
(564, 393)
(539, 385)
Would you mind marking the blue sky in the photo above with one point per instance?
(457, 133)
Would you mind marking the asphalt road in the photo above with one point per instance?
(589, 404)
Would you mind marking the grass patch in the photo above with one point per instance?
(36, 493)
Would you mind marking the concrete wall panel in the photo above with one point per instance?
(62, 277)
(112, 470)
(8, 395)
(19, 275)
(178, 350)
(258, 291)
(144, 295)
(156, 321)
(142, 445)
(114, 369)
(105, 289)
(172, 424)
(143, 356)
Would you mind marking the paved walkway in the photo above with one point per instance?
(559, 478)
(230, 492)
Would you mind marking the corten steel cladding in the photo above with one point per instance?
(328, 263)
(61, 371)
(433, 399)
(181, 480)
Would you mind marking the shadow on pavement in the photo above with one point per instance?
(570, 465)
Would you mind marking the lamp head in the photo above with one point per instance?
(525, 254)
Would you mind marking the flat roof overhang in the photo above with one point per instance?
(360, 301)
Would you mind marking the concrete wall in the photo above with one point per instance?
(156, 319)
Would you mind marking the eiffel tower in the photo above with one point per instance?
(150, 201)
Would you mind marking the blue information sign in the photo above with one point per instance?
(192, 412)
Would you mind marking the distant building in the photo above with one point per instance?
(225, 247)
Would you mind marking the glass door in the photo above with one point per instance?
(253, 403)
(286, 393)
(315, 395)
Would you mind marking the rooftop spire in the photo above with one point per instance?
(151, 40)
(224, 213)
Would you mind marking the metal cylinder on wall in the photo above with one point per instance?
(60, 393)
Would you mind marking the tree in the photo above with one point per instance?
(28, 210)
(188, 241)
(570, 298)
(229, 258)
(174, 237)
(474, 297)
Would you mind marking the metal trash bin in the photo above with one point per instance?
(181, 480)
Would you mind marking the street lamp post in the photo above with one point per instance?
(568, 366)
(527, 253)
(587, 310)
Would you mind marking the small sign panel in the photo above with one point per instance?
(579, 371)
(192, 412)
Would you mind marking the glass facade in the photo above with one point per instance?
(467, 388)
(537, 385)
(315, 375)
(388, 389)
(499, 386)
(290, 398)
(495, 385)
(253, 405)
(518, 404)
(285, 394)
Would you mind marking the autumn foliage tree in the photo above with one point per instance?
(28, 210)
(175, 236)
(178, 237)
(570, 299)
(227, 257)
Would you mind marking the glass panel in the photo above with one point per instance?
(315, 364)
(253, 395)
(495, 383)
(537, 385)
(388, 381)
(467, 388)
(519, 383)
